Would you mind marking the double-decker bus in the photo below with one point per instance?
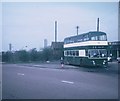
(88, 49)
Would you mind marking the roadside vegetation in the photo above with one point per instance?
(47, 54)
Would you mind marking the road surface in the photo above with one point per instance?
(30, 82)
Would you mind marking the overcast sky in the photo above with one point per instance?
(28, 24)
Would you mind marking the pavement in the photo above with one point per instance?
(111, 69)
(52, 66)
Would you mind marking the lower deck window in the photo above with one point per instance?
(71, 53)
(97, 53)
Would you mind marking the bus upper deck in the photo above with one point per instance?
(90, 36)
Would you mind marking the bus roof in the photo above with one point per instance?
(91, 33)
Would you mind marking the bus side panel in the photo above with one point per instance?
(80, 61)
(84, 61)
(72, 60)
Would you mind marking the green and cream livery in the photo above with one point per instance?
(88, 49)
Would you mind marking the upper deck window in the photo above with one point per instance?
(86, 38)
(94, 38)
(102, 37)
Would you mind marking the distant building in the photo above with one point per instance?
(57, 48)
(45, 43)
(114, 49)
(10, 47)
(57, 45)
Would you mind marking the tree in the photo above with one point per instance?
(23, 55)
(34, 55)
(47, 54)
(7, 56)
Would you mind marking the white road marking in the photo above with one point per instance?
(67, 82)
(20, 74)
(37, 65)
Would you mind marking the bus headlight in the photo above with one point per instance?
(104, 62)
(93, 62)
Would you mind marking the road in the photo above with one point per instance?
(30, 82)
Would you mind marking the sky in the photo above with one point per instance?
(29, 23)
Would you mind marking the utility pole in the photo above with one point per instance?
(77, 29)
